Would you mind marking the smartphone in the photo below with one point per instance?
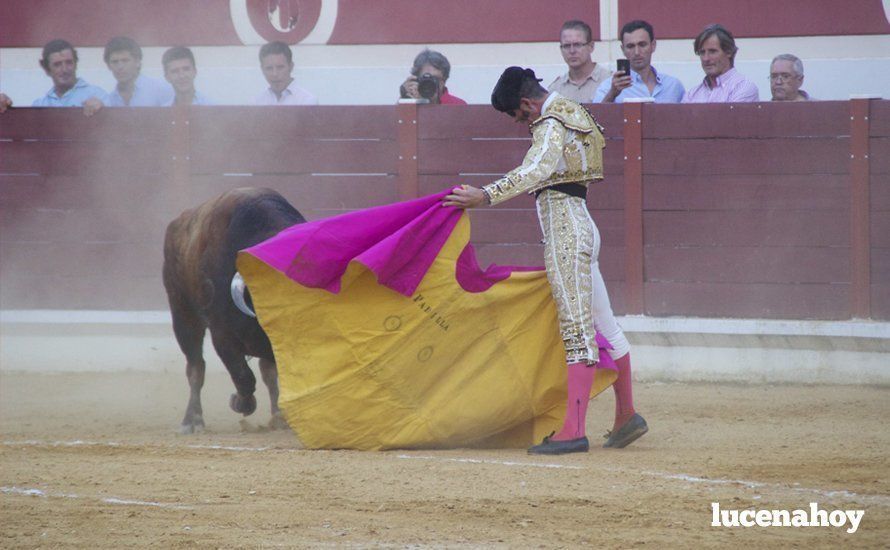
(624, 66)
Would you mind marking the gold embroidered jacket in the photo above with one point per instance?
(567, 147)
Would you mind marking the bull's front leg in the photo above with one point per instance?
(244, 400)
(269, 372)
(193, 421)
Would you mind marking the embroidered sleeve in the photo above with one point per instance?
(548, 139)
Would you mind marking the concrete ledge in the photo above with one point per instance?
(664, 349)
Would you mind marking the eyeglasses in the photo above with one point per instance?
(573, 46)
(782, 77)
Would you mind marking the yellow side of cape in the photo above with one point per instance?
(372, 369)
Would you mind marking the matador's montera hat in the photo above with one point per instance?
(505, 97)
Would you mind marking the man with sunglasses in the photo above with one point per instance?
(584, 75)
(566, 155)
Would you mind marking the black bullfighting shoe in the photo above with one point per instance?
(550, 447)
(632, 430)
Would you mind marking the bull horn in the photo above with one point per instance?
(238, 288)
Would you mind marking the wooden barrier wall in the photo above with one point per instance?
(746, 210)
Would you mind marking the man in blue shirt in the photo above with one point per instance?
(124, 57)
(59, 60)
(180, 71)
(638, 45)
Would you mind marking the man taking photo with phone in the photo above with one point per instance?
(638, 78)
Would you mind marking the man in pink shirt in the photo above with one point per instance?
(716, 48)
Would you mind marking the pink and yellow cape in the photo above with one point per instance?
(387, 334)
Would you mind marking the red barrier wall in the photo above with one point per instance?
(755, 210)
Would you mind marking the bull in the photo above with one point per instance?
(199, 266)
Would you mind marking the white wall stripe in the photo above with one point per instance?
(630, 323)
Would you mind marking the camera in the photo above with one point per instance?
(428, 86)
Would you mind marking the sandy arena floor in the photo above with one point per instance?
(94, 460)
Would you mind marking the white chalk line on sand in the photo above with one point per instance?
(107, 500)
(81, 443)
(881, 500)
(488, 461)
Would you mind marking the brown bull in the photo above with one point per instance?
(199, 264)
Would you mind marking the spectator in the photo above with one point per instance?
(716, 48)
(59, 60)
(277, 63)
(180, 72)
(5, 102)
(124, 57)
(786, 78)
(432, 67)
(584, 75)
(638, 45)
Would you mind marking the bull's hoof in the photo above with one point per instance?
(194, 426)
(245, 405)
(277, 422)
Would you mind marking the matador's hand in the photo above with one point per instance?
(465, 196)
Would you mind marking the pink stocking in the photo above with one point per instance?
(623, 386)
(580, 380)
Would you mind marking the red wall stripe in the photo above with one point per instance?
(758, 18)
(32, 23)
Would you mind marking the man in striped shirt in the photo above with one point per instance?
(716, 48)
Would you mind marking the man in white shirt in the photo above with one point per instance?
(277, 63)
(585, 75)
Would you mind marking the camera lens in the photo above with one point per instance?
(428, 86)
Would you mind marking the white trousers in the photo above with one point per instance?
(571, 256)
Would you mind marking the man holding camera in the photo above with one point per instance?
(427, 81)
